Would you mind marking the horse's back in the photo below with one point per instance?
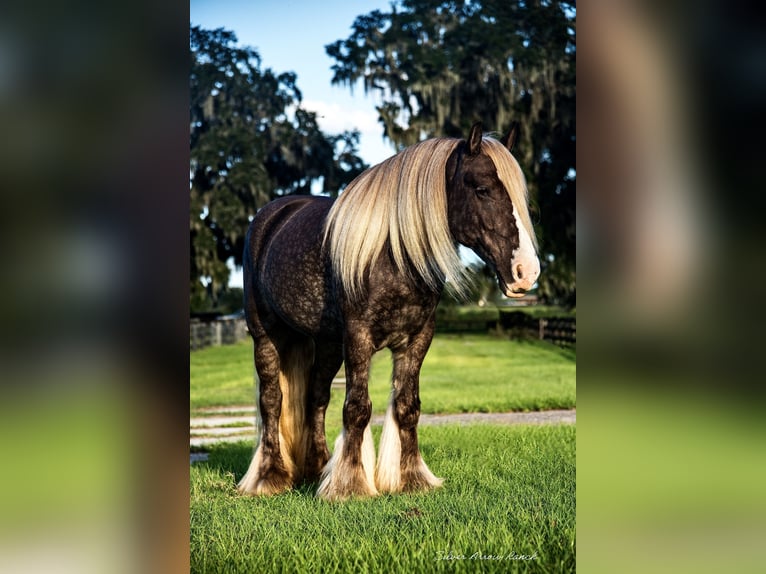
(276, 213)
(271, 218)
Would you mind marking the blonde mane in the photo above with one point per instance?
(509, 172)
(403, 201)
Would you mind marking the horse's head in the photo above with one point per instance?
(482, 215)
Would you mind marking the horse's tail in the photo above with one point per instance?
(294, 434)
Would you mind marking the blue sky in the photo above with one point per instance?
(290, 36)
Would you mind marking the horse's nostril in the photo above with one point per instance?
(519, 272)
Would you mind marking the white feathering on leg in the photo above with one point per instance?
(340, 479)
(368, 457)
(249, 482)
(429, 476)
(327, 473)
(389, 473)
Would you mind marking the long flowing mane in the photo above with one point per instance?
(509, 172)
(402, 203)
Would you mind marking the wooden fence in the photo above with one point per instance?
(218, 332)
(558, 330)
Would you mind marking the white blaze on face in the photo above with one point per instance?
(525, 264)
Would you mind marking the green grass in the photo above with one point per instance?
(508, 491)
(461, 373)
(221, 376)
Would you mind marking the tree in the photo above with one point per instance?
(440, 65)
(250, 142)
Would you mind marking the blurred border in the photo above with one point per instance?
(94, 296)
(670, 456)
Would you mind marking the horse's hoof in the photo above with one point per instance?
(339, 486)
(340, 494)
(419, 478)
(266, 484)
(265, 488)
(420, 483)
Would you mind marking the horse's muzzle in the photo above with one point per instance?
(525, 275)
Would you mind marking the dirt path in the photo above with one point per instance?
(228, 424)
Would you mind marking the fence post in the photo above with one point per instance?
(195, 336)
(542, 324)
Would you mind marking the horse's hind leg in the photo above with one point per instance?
(400, 465)
(351, 470)
(269, 472)
(327, 361)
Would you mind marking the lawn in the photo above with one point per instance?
(509, 492)
(507, 505)
(461, 373)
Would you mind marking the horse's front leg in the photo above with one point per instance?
(400, 465)
(351, 470)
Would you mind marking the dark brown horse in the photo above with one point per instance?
(333, 281)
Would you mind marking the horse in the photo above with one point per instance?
(331, 282)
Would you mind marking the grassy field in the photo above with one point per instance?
(509, 492)
(461, 373)
(507, 505)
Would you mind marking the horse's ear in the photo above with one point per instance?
(474, 139)
(510, 139)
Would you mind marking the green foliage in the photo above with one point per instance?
(482, 289)
(440, 65)
(250, 142)
(507, 490)
(542, 311)
(230, 300)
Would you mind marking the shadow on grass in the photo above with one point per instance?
(228, 458)
(234, 458)
(567, 353)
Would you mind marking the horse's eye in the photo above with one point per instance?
(482, 191)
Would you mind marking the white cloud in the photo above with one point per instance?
(334, 118)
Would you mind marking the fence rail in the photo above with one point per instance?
(219, 332)
(557, 330)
